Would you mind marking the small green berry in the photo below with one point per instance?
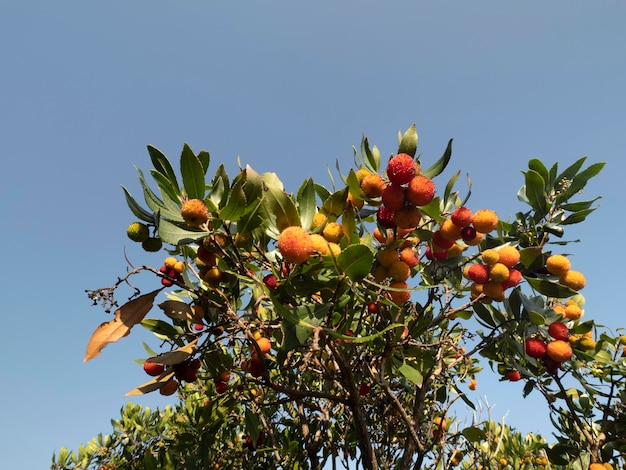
(152, 244)
(138, 232)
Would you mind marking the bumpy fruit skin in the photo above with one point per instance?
(515, 277)
(490, 256)
(558, 330)
(399, 292)
(372, 185)
(270, 281)
(479, 273)
(320, 244)
(385, 217)
(536, 348)
(573, 312)
(194, 212)
(393, 196)
(449, 230)
(319, 220)
(407, 217)
(153, 369)
(559, 350)
(333, 232)
(573, 279)
(152, 244)
(138, 232)
(439, 240)
(508, 256)
(498, 272)
(399, 271)
(420, 190)
(462, 217)
(485, 220)
(401, 169)
(558, 265)
(295, 244)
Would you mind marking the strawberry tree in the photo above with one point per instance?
(348, 324)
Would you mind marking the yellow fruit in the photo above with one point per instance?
(559, 350)
(373, 185)
(362, 173)
(476, 240)
(197, 313)
(320, 244)
(399, 271)
(213, 276)
(597, 466)
(334, 249)
(138, 232)
(408, 217)
(399, 292)
(622, 340)
(354, 202)
(387, 256)
(586, 344)
(194, 212)
(265, 345)
(333, 232)
(472, 384)
(179, 266)
(573, 312)
(503, 462)
(558, 265)
(498, 272)
(449, 231)
(476, 290)
(490, 256)
(295, 244)
(494, 290)
(319, 220)
(509, 256)
(440, 422)
(485, 220)
(573, 279)
(454, 251)
(169, 262)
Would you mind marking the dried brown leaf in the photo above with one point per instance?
(152, 385)
(177, 310)
(127, 316)
(175, 357)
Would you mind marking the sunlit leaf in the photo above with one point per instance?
(411, 374)
(163, 165)
(441, 164)
(160, 327)
(136, 209)
(306, 202)
(549, 288)
(127, 316)
(335, 203)
(356, 261)
(176, 356)
(175, 235)
(474, 434)
(193, 173)
(536, 192)
(152, 385)
(177, 310)
(408, 142)
(165, 186)
(579, 181)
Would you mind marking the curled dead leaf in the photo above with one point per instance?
(152, 385)
(127, 316)
(175, 357)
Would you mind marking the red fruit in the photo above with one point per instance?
(198, 326)
(385, 217)
(364, 389)
(479, 273)
(462, 217)
(255, 367)
(536, 348)
(153, 369)
(163, 270)
(552, 366)
(558, 330)
(166, 282)
(468, 233)
(220, 387)
(270, 281)
(401, 169)
(251, 446)
(438, 255)
(188, 375)
(515, 277)
(393, 197)
(441, 242)
(207, 257)
(372, 307)
(195, 364)
(514, 376)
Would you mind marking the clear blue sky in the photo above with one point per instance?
(288, 86)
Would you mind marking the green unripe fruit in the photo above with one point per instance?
(152, 244)
(138, 232)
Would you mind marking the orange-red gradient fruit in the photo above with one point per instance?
(485, 220)
(401, 169)
(420, 190)
(295, 244)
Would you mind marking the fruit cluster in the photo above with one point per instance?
(140, 233)
(173, 270)
(559, 265)
(495, 274)
(554, 351)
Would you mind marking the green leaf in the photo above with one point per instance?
(193, 173)
(335, 203)
(474, 434)
(279, 205)
(356, 261)
(448, 203)
(155, 203)
(580, 205)
(159, 327)
(165, 185)
(372, 156)
(580, 180)
(577, 217)
(236, 204)
(549, 288)
(538, 166)
(532, 258)
(535, 189)
(411, 374)
(484, 314)
(136, 209)
(306, 202)
(441, 164)
(205, 158)
(175, 235)
(163, 165)
(252, 425)
(408, 141)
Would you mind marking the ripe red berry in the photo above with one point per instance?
(462, 217)
(479, 273)
(153, 369)
(514, 376)
(198, 326)
(270, 281)
(364, 389)
(385, 217)
(373, 307)
(188, 375)
(468, 233)
(558, 330)
(195, 364)
(220, 387)
(536, 348)
(401, 169)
